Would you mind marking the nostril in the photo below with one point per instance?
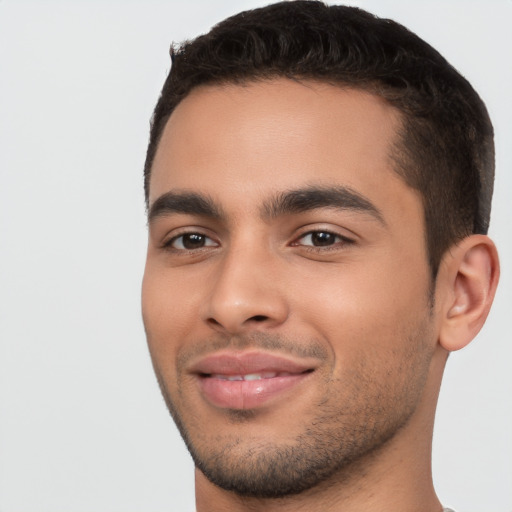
(259, 318)
(235, 321)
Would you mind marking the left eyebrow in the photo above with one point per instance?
(312, 198)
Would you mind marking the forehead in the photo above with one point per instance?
(255, 139)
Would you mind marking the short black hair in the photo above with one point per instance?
(445, 148)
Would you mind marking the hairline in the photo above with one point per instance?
(372, 87)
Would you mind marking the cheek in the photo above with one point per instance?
(380, 336)
(366, 308)
(169, 304)
(160, 305)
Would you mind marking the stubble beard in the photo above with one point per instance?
(332, 443)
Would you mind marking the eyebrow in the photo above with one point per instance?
(294, 201)
(312, 198)
(184, 202)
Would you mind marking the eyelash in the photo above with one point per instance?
(339, 240)
(169, 244)
(209, 242)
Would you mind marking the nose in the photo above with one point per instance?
(247, 293)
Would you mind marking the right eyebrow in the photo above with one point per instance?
(183, 202)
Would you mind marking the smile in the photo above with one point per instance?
(246, 381)
(251, 376)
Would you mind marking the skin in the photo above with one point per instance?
(360, 307)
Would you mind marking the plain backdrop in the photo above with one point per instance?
(82, 425)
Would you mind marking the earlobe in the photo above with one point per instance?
(470, 276)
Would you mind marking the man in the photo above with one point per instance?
(318, 183)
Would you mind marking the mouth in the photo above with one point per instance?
(252, 376)
(243, 381)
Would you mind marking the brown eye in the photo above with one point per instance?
(191, 241)
(323, 239)
(320, 239)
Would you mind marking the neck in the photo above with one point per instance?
(395, 478)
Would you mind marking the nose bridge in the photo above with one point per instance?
(246, 289)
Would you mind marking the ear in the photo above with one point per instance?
(467, 283)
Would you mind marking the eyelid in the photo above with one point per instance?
(170, 238)
(344, 234)
(183, 248)
(339, 242)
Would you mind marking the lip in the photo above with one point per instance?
(279, 374)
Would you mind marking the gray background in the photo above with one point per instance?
(82, 425)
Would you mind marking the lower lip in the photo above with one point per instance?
(246, 394)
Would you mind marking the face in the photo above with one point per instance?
(286, 291)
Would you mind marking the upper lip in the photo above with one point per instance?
(244, 363)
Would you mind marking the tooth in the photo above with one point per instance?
(252, 376)
(259, 376)
(249, 376)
